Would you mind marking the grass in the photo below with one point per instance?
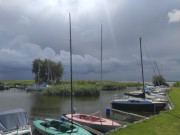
(167, 123)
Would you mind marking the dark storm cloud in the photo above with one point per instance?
(40, 29)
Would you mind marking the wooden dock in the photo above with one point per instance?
(133, 114)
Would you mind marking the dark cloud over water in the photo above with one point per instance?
(40, 29)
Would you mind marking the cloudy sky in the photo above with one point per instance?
(31, 29)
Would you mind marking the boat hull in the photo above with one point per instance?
(34, 88)
(139, 107)
(103, 126)
(58, 127)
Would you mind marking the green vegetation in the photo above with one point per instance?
(57, 90)
(47, 71)
(167, 123)
(85, 88)
(158, 80)
(78, 90)
(19, 82)
(80, 87)
(109, 85)
(176, 84)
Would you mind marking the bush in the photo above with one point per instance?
(176, 84)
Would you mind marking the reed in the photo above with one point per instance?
(57, 90)
(86, 90)
(78, 90)
(85, 87)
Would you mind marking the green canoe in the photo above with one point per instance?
(58, 127)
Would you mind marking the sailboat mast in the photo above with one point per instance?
(142, 68)
(101, 62)
(71, 67)
(101, 75)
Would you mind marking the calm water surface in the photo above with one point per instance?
(39, 106)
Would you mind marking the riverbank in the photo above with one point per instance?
(167, 123)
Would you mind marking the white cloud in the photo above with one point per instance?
(20, 53)
(174, 16)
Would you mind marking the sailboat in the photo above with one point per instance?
(138, 104)
(98, 123)
(55, 127)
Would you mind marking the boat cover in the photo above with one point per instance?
(13, 119)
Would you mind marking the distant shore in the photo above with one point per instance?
(85, 87)
(80, 87)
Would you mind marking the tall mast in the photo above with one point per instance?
(101, 74)
(142, 68)
(71, 68)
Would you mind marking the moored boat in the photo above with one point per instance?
(101, 124)
(55, 127)
(14, 122)
(36, 87)
(138, 104)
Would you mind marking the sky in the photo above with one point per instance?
(33, 29)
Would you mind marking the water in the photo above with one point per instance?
(39, 106)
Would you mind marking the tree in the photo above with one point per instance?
(158, 80)
(47, 71)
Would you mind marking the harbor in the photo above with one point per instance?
(89, 67)
(39, 106)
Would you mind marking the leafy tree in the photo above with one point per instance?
(158, 80)
(47, 70)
